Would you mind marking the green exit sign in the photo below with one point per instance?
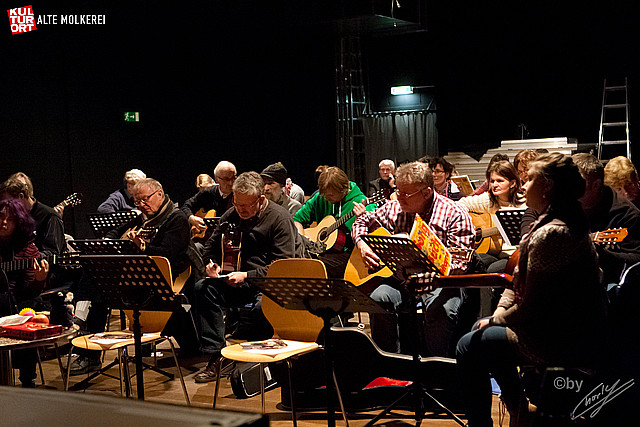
(131, 116)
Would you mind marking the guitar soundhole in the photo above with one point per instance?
(323, 234)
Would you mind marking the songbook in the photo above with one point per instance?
(464, 184)
(427, 241)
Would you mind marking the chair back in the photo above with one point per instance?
(295, 325)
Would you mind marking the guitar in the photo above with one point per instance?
(69, 260)
(140, 235)
(604, 237)
(231, 243)
(72, 200)
(202, 234)
(487, 236)
(357, 273)
(327, 232)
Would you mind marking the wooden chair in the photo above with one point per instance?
(298, 329)
(152, 323)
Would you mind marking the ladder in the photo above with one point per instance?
(350, 104)
(614, 120)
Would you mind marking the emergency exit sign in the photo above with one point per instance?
(131, 116)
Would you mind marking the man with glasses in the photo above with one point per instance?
(161, 229)
(218, 197)
(264, 232)
(122, 199)
(386, 181)
(453, 226)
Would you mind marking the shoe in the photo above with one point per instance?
(210, 372)
(84, 365)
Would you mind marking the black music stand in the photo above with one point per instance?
(105, 247)
(325, 298)
(405, 258)
(508, 223)
(102, 223)
(132, 282)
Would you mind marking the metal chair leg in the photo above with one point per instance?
(292, 394)
(40, 365)
(175, 359)
(215, 394)
(66, 377)
(262, 384)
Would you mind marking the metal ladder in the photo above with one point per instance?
(614, 119)
(350, 104)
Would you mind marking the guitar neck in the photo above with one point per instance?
(344, 218)
(24, 264)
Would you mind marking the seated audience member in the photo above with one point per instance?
(622, 177)
(454, 228)
(275, 177)
(316, 177)
(605, 209)
(386, 181)
(521, 163)
(485, 185)
(442, 170)
(267, 234)
(122, 199)
(337, 197)
(204, 181)
(294, 191)
(555, 313)
(161, 229)
(49, 232)
(504, 192)
(218, 197)
(22, 286)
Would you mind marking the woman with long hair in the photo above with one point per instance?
(22, 286)
(555, 312)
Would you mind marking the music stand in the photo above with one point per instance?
(132, 282)
(508, 221)
(102, 223)
(325, 298)
(405, 258)
(105, 247)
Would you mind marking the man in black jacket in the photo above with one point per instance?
(264, 231)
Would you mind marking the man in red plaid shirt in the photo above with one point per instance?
(451, 223)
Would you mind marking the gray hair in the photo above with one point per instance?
(249, 183)
(147, 182)
(387, 162)
(133, 175)
(415, 172)
(224, 165)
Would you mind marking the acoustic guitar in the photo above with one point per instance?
(604, 237)
(328, 230)
(69, 260)
(357, 272)
(487, 235)
(202, 234)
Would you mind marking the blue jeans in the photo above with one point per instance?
(440, 318)
(211, 296)
(481, 354)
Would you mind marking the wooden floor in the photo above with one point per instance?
(159, 389)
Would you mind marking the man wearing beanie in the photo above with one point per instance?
(275, 177)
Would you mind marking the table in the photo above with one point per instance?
(9, 344)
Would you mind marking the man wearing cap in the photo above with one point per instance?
(275, 177)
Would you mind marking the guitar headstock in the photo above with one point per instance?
(611, 236)
(73, 200)
(378, 198)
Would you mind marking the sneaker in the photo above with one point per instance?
(84, 365)
(210, 372)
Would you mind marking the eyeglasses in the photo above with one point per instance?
(245, 207)
(144, 199)
(404, 195)
(230, 179)
(438, 171)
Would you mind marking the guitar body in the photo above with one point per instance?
(195, 233)
(491, 245)
(357, 273)
(319, 233)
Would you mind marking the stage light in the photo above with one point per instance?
(401, 90)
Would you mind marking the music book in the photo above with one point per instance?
(425, 239)
(464, 184)
(507, 221)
